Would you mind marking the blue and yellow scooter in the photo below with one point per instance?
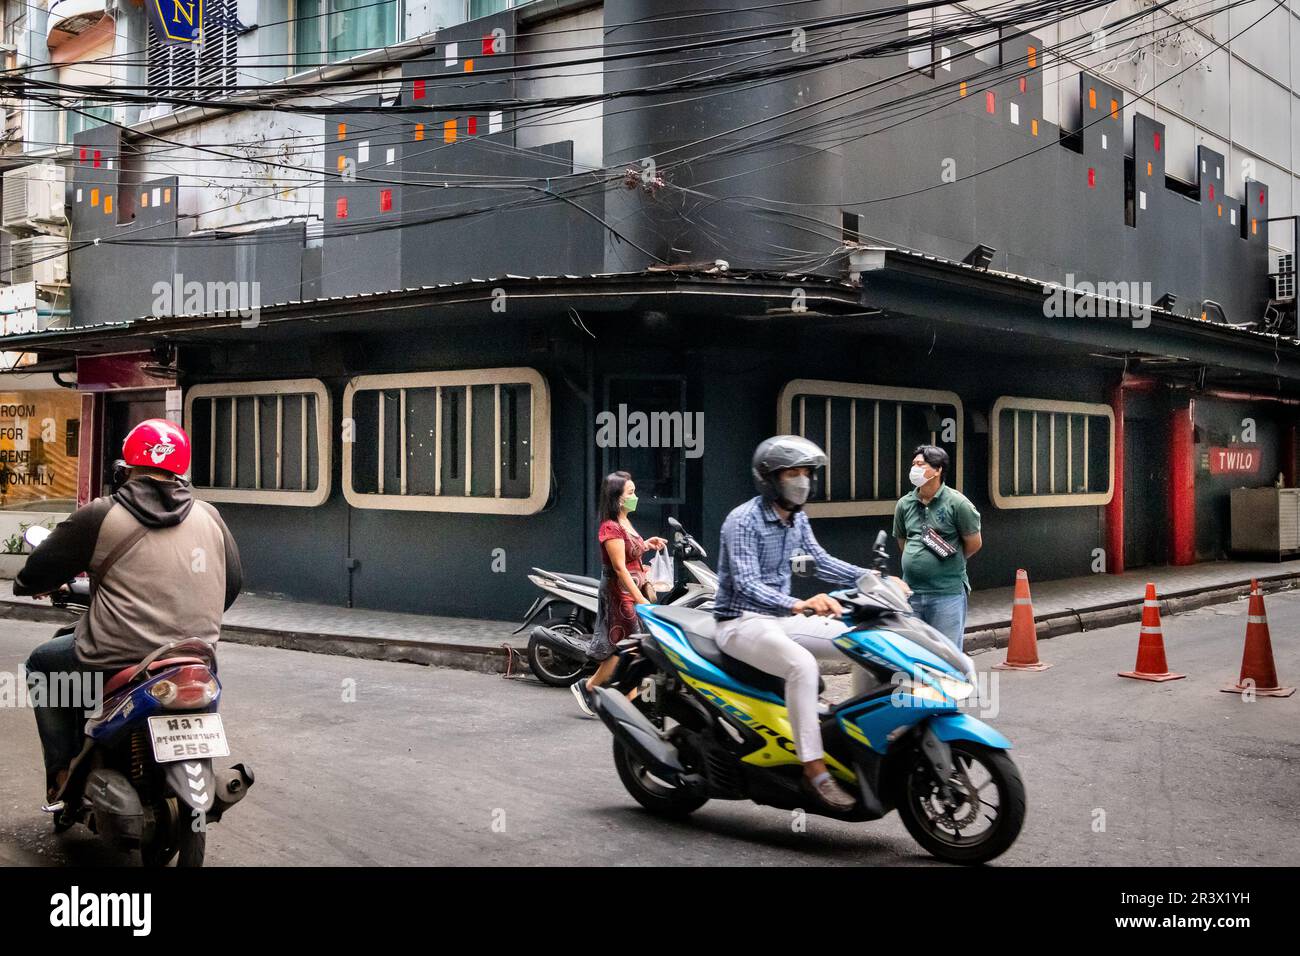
(706, 726)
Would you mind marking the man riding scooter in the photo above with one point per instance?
(758, 620)
(163, 568)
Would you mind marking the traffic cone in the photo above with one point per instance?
(1022, 650)
(1257, 659)
(1151, 664)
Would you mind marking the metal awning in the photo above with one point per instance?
(901, 293)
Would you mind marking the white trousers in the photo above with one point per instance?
(789, 647)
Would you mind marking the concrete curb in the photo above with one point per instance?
(494, 659)
(471, 657)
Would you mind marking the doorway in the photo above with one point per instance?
(1146, 502)
(122, 412)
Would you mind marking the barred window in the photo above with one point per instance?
(260, 442)
(205, 70)
(869, 433)
(1049, 454)
(466, 441)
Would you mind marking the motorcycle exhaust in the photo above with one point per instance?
(631, 727)
(231, 786)
(570, 648)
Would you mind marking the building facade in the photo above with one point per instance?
(416, 278)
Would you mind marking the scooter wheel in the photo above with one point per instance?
(550, 667)
(660, 798)
(990, 811)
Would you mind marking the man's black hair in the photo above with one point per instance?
(935, 457)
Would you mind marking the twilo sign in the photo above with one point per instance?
(1234, 460)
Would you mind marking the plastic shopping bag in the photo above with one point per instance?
(661, 571)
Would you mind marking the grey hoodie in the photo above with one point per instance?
(173, 584)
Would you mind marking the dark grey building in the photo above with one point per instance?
(831, 241)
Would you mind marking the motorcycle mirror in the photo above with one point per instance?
(674, 524)
(35, 535)
(802, 565)
(881, 540)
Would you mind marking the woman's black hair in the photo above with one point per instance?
(934, 456)
(611, 493)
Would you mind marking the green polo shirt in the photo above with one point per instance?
(952, 515)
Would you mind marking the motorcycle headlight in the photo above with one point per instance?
(950, 688)
(924, 691)
(956, 689)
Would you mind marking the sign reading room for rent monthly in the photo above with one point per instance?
(177, 21)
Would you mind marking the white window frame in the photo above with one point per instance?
(540, 432)
(281, 387)
(1047, 500)
(823, 389)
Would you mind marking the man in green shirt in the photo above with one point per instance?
(937, 529)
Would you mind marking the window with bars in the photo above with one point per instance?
(260, 442)
(204, 70)
(1049, 454)
(467, 441)
(869, 433)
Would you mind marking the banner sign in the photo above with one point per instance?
(1235, 460)
(177, 21)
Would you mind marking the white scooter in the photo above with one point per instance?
(566, 612)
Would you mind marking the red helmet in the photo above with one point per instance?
(157, 443)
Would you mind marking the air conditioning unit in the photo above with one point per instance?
(33, 199)
(40, 259)
(1284, 278)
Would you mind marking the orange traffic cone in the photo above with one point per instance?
(1022, 650)
(1258, 674)
(1151, 664)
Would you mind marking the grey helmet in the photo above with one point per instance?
(783, 451)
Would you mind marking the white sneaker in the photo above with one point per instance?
(580, 692)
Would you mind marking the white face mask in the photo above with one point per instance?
(917, 476)
(795, 490)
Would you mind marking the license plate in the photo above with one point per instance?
(187, 737)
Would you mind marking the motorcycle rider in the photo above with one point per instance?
(163, 568)
(759, 623)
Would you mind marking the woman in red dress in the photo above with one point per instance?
(623, 584)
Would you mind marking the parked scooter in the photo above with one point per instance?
(144, 778)
(706, 726)
(558, 650)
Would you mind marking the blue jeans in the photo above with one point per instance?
(946, 613)
(61, 728)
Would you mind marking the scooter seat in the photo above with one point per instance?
(119, 679)
(577, 579)
(700, 628)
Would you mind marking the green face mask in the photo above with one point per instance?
(630, 503)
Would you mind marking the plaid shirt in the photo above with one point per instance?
(754, 561)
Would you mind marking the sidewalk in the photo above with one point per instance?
(1060, 607)
(1104, 600)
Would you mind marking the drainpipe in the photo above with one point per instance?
(1182, 485)
(1115, 510)
(1249, 397)
(1288, 455)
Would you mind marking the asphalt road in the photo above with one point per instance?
(444, 767)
